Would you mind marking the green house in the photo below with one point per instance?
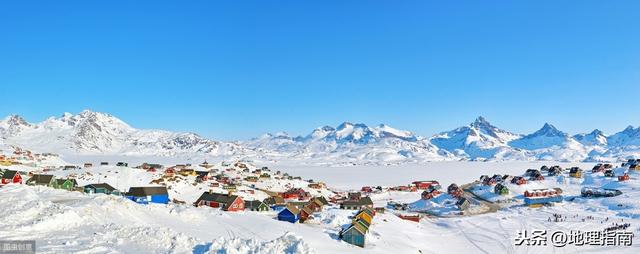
(100, 188)
(66, 184)
(501, 189)
(42, 180)
(256, 205)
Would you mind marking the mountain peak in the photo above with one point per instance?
(549, 130)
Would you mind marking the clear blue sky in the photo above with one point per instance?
(239, 69)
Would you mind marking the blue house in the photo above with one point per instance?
(145, 195)
(354, 234)
(289, 213)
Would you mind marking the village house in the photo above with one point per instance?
(423, 185)
(463, 204)
(202, 175)
(306, 213)
(290, 213)
(100, 188)
(122, 164)
(252, 179)
(296, 193)
(318, 185)
(104, 163)
(519, 180)
(145, 195)
(87, 165)
(624, 177)
(575, 172)
(11, 176)
(454, 190)
(501, 189)
(274, 201)
(206, 165)
(354, 195)
(187, 172)
(66, 184)
(256, 205)
(357, 204)
(43, 180)
(230, 203)
(354, 234)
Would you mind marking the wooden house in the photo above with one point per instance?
(231, 203)
(87, 165)
(575, 172)
(519, 180)
(501, 189)
(624, 177)
(423, 185)
(354, 195)
(414, 218)
(202, 175)
(104, 163)
(454, 190)
(151, 194)
(100, 188)
(357, 204)
(43, 180)
(462, 204)
(305, 213)
(11, 176)
(122, 164)
(66, 184)
(354, 234)
(274, 201)
(609, 173)
(256, 205)
(290, 213)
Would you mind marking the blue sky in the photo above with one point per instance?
(239, 69)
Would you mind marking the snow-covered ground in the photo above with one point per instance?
(64, 222)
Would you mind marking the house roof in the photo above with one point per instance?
(322, 200)
(293, 209)
(61, 181)
(307, 210)
(147, 191)
(216, 197)
(43, 179)
(100, 186)
(357, 227)
(274, 200)
(253, 204)
(360, 202)
(9, 174)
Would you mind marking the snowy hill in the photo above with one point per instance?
(99, 133)
(351, 143)
(94, 133)
(479, 139)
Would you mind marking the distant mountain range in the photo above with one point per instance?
(94, 133)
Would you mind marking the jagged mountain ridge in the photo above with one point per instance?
(100, 133)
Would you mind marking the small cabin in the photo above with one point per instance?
(151, 194)
(290, 213)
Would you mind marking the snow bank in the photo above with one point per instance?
(288, 243)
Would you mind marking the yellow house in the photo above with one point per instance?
(362, 215)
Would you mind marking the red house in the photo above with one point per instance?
(227, 202)
(423, 185)
(296, 193)
(11, 176)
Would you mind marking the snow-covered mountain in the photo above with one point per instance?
(94, 133)
(103, 134)
(351, 143)
(478, 140)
